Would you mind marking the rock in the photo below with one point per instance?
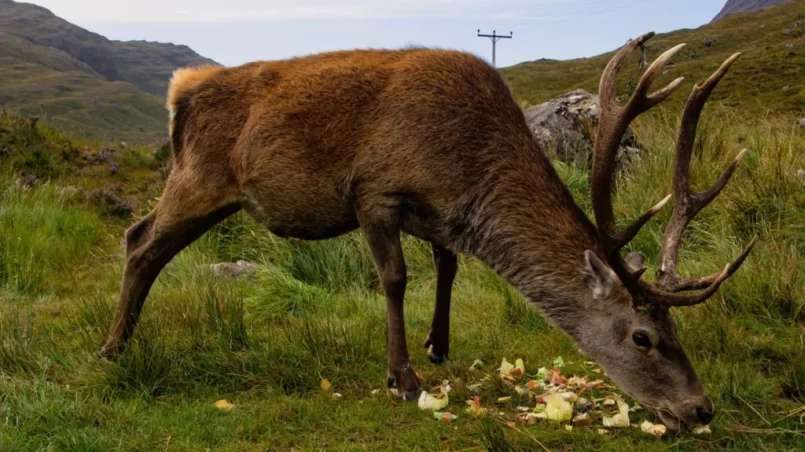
(692, 54)
(786, 31)
(237, 269)
(802, 123)
(29, 181)
(709, 42)
(567, 125)
(106, 155)
(801, 174)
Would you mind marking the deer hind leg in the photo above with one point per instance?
(384, 243)
(183, 214)
(438, 342)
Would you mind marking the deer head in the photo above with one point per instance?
(632, 332)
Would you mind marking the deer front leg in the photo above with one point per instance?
(184, 213)
(384, 242)
(445, 265)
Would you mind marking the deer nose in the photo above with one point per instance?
(705, 414)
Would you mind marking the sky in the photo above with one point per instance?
(233, 32)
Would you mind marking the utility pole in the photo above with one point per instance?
(495, 38)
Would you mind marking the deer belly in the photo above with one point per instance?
(302, 214)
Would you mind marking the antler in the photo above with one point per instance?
(615, 118)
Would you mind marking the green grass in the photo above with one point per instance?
(314, 311)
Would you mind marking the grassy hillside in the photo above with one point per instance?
(81, 81)
(83, 104)
(767, 80)
(314, 311)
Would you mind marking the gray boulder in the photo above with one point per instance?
(237, 269)
(565, 127)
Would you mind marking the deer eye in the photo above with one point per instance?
(641, 339)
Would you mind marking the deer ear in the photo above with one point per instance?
(635, 261)
(599, 276)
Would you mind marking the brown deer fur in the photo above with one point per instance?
(427, 142)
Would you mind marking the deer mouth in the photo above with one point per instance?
(678, 420)
(669, 419)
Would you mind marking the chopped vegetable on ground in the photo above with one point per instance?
(653, 429)
(435, 403)
(546, 396)
(619, 420)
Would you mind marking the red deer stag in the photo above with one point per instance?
(432, 143)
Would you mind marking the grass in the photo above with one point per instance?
(314, 311)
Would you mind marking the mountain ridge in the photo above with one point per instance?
(745, 6)
(108, 58)
(83, 82)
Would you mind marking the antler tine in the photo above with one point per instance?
(615, 118)
(671, 299)
(688, 202)
(683, 284)
(606, 88)
(631, 231)
(641, 101)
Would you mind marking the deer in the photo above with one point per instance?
(431, 143)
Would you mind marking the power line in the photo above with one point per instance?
(495, 38)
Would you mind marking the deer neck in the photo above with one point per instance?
(533, 234)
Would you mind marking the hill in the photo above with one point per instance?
(82, 81)
(745, 6)
(767, 78)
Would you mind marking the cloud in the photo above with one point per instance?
(242, 11)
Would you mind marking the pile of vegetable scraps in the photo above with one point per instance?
(545, 396)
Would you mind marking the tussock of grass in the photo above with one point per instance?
(41, 238)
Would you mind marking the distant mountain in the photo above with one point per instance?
(82, 81)
(766, 80)
(745, 6)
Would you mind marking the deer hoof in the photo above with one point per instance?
(110, 351)
(413, 396)
(437, 350)
(436, 358)
(406, 382)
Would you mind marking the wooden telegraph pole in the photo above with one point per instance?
(495, 38)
